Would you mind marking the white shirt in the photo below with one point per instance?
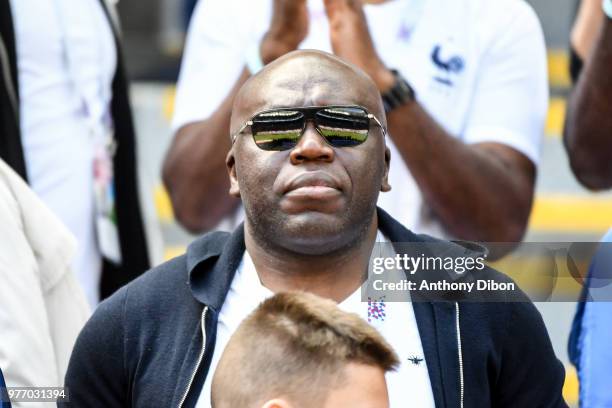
(486, 83)
(408, 386)
(66, 61)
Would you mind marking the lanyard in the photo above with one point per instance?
(106, 221)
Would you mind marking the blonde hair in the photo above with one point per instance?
(295, 345)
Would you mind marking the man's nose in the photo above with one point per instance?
(311, 147)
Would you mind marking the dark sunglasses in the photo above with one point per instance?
(282, 128)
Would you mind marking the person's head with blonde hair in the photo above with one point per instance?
(299, 350)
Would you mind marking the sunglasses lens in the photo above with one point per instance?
(281, 129)
(343, 126)
(277, 130)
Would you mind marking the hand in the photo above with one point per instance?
(351, 40)
(587, 26)
(287, 30)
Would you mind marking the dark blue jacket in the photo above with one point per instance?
(144, 347)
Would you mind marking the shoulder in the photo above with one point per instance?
(168, 284)
(150, 309)
(30, 223)
(484, 13)
(156, 288)
(505, 18)
(483, 22)
(500, 10)
(162, 282)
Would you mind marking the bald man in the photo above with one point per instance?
(465, 92)
(308, 159)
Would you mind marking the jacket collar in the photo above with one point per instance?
(393, 230)
(212, 261)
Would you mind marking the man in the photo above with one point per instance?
(42, 306)
(308, 160)
(588, 141)
(309, 353)
(465, 89)
(66, 127)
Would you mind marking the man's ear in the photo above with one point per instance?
(385, 186)
(230, 162)
(276, 403)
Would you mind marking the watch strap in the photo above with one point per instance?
(400, 93)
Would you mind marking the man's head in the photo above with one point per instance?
(313, 198)
(298, 350)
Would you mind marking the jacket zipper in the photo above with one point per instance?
(200, 357)
(460, 355)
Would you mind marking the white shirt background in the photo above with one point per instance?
(487, 83)
(66, 61)
(408, 386)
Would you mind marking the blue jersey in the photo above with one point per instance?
(590, 340)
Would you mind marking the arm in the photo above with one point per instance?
(488, 197)
(488, 179)
(588, 126)
(194, 170)
(588, 23)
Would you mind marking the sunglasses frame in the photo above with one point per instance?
(309, 113)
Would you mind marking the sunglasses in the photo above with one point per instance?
(281, 129)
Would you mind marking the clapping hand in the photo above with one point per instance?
(287, 30)
(351, 40)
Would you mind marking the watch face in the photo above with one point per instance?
(400, 94)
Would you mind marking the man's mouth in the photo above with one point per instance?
(313, 192)
(313, 185)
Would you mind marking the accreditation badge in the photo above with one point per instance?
(107, 229)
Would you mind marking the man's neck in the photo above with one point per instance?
(334, 276)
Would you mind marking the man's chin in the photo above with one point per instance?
(315, 233)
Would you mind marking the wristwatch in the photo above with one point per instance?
(607, 8)
(400, 93)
